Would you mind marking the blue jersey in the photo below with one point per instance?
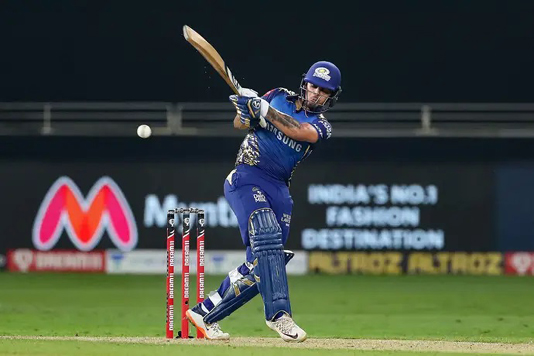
(270, 149)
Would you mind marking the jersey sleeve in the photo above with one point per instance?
(323, 127)
(271, 94)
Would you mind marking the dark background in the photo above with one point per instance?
(388, 51)
(515, 193)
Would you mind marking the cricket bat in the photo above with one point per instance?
(215, 59)
(212, 56)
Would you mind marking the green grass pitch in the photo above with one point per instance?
(494, 309)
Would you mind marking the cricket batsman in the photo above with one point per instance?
(283, 129)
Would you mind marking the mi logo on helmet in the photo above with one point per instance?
(322, 73)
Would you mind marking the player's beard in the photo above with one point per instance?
(312, 104)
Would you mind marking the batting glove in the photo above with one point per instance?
(251, 111)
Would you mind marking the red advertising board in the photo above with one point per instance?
(26, 260)
(519, 263)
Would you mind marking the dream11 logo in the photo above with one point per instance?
(84, 220)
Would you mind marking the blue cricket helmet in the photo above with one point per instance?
(325, 75)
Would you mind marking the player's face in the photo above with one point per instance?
(316, 96)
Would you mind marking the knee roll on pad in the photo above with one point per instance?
(263, 221)
(270, 271)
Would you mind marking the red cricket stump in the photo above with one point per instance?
(169, 329)
(200, 261)
(185, 274)
(186, 226)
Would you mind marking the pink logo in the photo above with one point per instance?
(85, 220)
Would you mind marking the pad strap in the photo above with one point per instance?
(237, 295)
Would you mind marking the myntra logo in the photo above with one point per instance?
(85, 220)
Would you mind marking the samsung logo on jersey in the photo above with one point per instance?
(282, 137)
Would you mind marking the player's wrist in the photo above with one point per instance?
(264, 108)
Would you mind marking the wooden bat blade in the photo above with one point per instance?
(212, 56)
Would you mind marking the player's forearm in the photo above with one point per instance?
(238, 125)
(289, 126)
(285, 123)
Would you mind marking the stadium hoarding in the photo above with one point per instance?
(95, 195)
(361, 207)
